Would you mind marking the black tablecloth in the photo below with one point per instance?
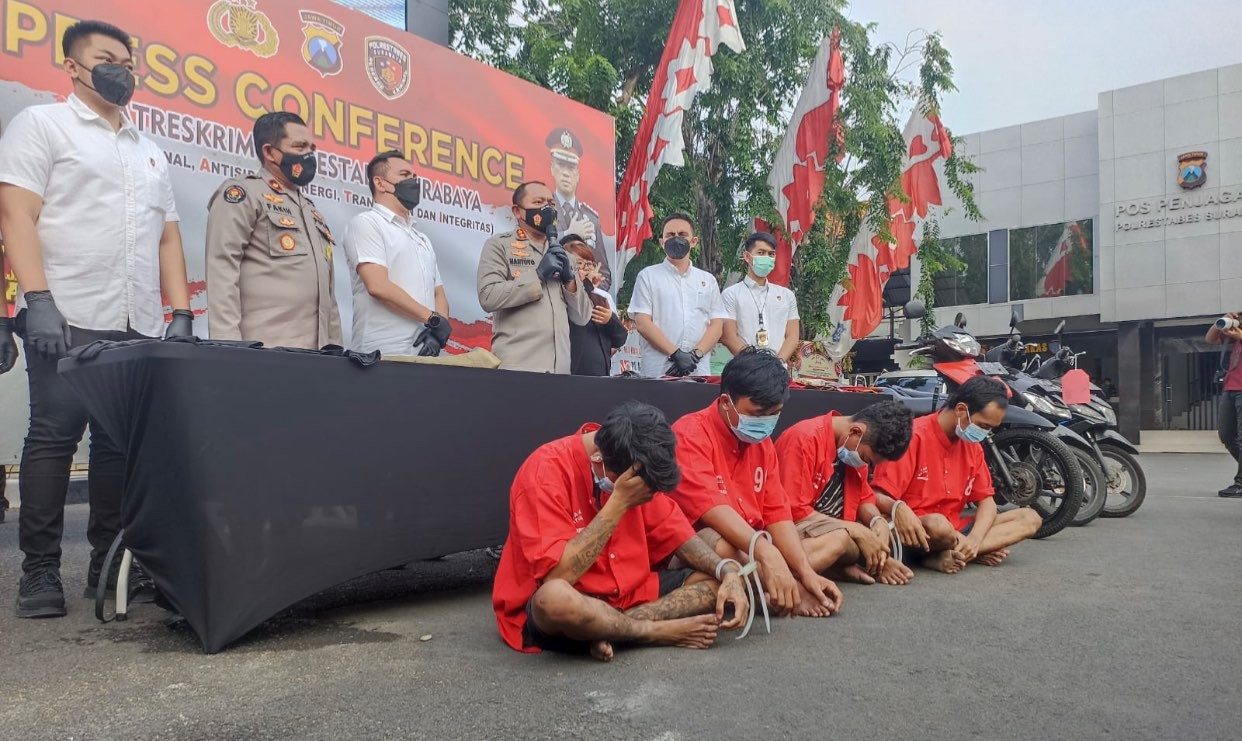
(256, 478)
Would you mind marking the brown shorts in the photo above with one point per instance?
(817, 524)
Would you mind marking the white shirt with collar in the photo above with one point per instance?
(681, 305)
(381, 237)
(746, 302)
(106, 198)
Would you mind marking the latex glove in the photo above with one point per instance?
(439, 327)
(8, 346)
(182, 324)
(683, 363)
(46, 329)
(431, 347)
(549, 267)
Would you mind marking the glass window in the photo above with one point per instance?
(998, 266)
(1051, 260)
(391, 12)
(970, 284)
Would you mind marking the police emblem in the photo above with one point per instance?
(275, 185)
(296, 170)
(1191, 169)
(272, 198)
(321, 42)
(388, 66)
(234, 194)
(287, 242)
(286, 221)
(239, 23)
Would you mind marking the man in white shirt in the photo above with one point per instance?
(761, 314)
(399, 303)
(90, 228)
(676, 307)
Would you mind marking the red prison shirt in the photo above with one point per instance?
(807, 453)
(549, 504)
(936, 474)
(717, 468)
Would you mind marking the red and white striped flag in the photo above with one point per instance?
(699, 29)
(1056, 274)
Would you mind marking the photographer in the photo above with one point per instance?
(1227, 329)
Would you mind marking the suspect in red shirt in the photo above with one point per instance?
(941, 473)
(823, 464)
(587, 531)
(731, 489)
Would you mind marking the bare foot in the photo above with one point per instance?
(994, 558)
(602, 650)
(856, 573)
(895, 573)
(808, 606)
(950, 561)
(692, 632)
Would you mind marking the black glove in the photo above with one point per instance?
(182, 324)
(549, 268)
(431, 347)
(567, 265)
(439, 327)
(684, 363)
(46, 329)
(8, 346)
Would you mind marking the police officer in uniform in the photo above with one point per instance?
(574, 216)
(269, 250)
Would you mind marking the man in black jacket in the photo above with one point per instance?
(592, 345)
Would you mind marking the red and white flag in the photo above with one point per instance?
(1056, 275)
(857, 304)
(797, 178)
(699, 29)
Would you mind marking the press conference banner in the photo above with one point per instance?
(206, 69)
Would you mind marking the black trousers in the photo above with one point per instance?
(1229, 425)
(57, 420)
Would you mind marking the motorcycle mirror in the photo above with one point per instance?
(1013, 320)
(1060, 326)
(959, 321)
(915, 309)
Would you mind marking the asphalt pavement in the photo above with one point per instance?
(1124, 629)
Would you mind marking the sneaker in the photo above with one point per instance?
(141, 587)
(41, 594)
(1233, 491)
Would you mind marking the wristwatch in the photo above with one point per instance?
(696, 355)
(434, 321)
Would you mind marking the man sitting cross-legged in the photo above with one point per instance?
(587, 528)
(925, 491)
(823, 463)
(731, 489)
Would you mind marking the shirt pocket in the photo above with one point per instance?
(285, 239)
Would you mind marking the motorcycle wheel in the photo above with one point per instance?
(1046, 474)
(1094, 491)
(1127, 484)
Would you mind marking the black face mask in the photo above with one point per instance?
(408, 192)
(540, 219)
(113, 82)
(298, 168)
(677, 247)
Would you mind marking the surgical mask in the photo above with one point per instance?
(113, 82)
(677, 247)
(971, 433)
(408, 192)
(752, 429)
(603, 485)
(762, 265)
(298, 168)
(849, 457)
(541, 218)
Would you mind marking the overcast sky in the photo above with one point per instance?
(1017, 62)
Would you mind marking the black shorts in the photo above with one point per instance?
(670, 579)
(913, 555)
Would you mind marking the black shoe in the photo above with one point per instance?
(141, 587)
(41, 594)
(1233, 491)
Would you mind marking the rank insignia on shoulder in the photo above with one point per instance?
(275, 185)
(234, 194)
(520, 234)
(286, 221)
(327, 251)
(272, 198)
(287, 242)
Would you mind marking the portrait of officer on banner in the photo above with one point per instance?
(574, 216)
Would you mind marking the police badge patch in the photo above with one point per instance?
(321, 42)
(1191, 170)
(234, 194)
(388, 66)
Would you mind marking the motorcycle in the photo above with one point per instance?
(1030, 463)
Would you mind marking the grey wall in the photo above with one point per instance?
(429, 19)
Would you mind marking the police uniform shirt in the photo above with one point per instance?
(106, 199)
(747, 301)
(381, 237)
(269, 266)
(681, 306)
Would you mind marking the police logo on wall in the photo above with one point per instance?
(1191, 169)
(388, 66)
(239, 23)
(321, 42)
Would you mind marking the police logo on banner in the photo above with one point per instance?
(1191, 170)
(388, 66)
(321, 42)
(239, 23)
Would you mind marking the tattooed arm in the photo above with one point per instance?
(700, 555)
(629, 491)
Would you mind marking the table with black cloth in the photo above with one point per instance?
(256, 478)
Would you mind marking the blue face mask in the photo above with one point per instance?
(603, 486)
(971, 433)
(849, 457)
(752, 429)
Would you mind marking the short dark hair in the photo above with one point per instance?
(678, 216)
(889, 425)
(635, 432)
(378, 166)
(270, 129)
(757, 237)
(520, 192)
(758, 375)
(80, 33)
(978, 393)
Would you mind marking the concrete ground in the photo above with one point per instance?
(1127, 629)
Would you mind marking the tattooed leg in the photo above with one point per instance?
(698, 598)
(560, 610)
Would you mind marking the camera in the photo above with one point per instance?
(1225, 323)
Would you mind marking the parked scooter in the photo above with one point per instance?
(1030, 463)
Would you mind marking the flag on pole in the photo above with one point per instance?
(797, 177)
(784, 252)
(699, 29)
